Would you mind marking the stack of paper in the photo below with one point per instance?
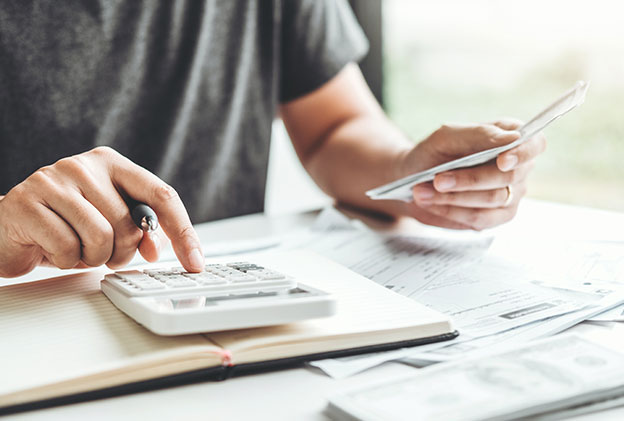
(497, 293)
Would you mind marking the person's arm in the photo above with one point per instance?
(73, 214)
(348, 145)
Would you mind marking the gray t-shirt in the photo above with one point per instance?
(187, 89)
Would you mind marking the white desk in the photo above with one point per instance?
(300, 394)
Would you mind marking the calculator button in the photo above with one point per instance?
(166, 277)
(179, 281)
(132, 275)
(225, 279)
(111, 277)
(208, 282)
(212, 268)
(180, 284)
(237, 264)
(154, 272)
(191, 275)
(149, 286)
(244, 267)
(211, 279)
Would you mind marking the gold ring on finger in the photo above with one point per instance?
(509, 196)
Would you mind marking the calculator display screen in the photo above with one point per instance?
(225, 300)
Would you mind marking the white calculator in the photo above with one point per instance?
(226, 296)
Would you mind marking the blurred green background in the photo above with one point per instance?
(476, 61)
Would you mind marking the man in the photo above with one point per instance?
(172, 102)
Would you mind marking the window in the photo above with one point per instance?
(453, 60)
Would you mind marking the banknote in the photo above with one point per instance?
(558, 373)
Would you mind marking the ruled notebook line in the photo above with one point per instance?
(65, 328)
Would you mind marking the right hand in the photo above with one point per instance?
(73, 214)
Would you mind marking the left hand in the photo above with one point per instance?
(478, 197)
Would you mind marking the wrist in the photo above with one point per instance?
(400, 166)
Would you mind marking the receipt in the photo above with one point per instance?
(402, 189)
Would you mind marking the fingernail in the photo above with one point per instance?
(508, 162)
(423, 192)
(196, 259)
(445, 182)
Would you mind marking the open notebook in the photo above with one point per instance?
(62, 337)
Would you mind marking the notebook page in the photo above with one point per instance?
(367, 314)
(64, 328)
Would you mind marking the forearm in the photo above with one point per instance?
(348, 146)
(361, 153)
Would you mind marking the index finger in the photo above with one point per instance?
(145, 187)
(521, 154)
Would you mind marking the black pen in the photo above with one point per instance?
(143, 216)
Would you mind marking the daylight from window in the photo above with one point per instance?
(476, 61)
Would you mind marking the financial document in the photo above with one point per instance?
(481, 299)
(403, 264)
(497, 291)
(562, 372)
(484, 300)
(596, 302)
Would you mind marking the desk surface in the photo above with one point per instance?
(300, 394)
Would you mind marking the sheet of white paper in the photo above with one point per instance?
(613, 315)
(526, 333)
(483, 299)
(434, 272)
(587, 266)
(539, 377)
(403, 264)
(563, 263)
(339, 368)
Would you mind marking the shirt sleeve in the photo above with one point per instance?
(319, 37)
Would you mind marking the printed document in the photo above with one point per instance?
(596, 304)
(482, 300)
(476, 281)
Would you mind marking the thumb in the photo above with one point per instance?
(151, 245)
(464, 140)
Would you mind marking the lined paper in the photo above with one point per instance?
(66, 328)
